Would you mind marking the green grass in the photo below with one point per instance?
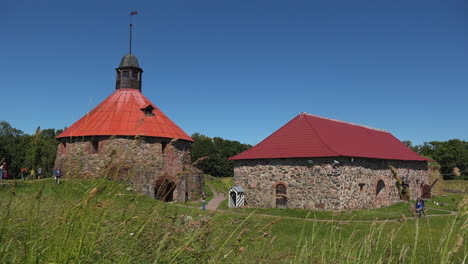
(99, 221)
(456, 185)
(219, 184)
(392, 212)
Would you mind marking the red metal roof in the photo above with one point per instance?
(313, 136)
(121, 114)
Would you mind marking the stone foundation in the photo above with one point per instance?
(322, 184)
(146, 163)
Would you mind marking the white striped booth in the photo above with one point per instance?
(236, 197)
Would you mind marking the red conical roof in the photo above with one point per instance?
(313, 136)
(122, 114)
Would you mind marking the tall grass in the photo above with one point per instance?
(99, 221)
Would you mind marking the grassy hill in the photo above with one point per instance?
(100, 221)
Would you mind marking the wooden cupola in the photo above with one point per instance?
(129, 73)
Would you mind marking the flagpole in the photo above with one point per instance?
(131, 28)
(130, 49)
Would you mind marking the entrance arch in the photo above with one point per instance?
(380, 187)
(281, 196)
(164, 190)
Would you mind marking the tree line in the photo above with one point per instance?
(448, 154)
(211, 155)
(20, 150)
(23, 151)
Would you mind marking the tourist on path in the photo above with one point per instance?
(58, 175)
(3, 171)
(203, 202)
(32, 174)
(39, 173)
(23, 171)
(420, 207)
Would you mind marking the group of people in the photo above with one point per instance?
(33, 174)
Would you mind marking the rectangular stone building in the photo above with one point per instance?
(319, 163)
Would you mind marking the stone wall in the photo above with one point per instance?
(144, 162)
(322, 184)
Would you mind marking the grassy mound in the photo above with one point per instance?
(99, 221)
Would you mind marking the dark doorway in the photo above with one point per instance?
(233, 198)
(380, 186)
(281, 198)
(164, 191)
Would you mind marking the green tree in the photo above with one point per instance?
(211, 155)
(449, 154)
(20, 150)
(10, 139)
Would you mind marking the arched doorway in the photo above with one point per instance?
(164, 191)
(379, 187)
(281, 196)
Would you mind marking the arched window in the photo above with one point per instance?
(380, 186)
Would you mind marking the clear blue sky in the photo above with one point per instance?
(242, 69)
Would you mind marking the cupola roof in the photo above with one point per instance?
(129, 60)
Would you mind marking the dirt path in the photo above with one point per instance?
(217, 199)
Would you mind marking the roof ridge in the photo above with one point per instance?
(318, 135)
(265, 139)
(344, 122)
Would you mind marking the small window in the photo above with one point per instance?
(361, 187)
(134, 75)
(125, 74)
(94, 147)
(148, 111)
(163, 146)
(380, 186)
(118, 75)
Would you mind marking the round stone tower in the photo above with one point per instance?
(126, 137)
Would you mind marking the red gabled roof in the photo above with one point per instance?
(120, 114)
(313, 136)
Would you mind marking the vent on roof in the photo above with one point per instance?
(148, 111)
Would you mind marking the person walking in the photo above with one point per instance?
(32, 174)
(23, 171)
(203, 202)
(39, 173)
(58, 175)
(420, 207)
(2, 171)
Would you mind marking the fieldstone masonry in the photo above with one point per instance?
(145, 162)
(324, 184)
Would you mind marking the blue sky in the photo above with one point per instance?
(242, 69)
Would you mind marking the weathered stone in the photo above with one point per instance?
(141, 162)
(336, 188)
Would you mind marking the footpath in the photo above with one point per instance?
(214, 203)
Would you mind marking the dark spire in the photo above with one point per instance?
(129, 72)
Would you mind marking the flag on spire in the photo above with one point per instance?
(133, 13)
